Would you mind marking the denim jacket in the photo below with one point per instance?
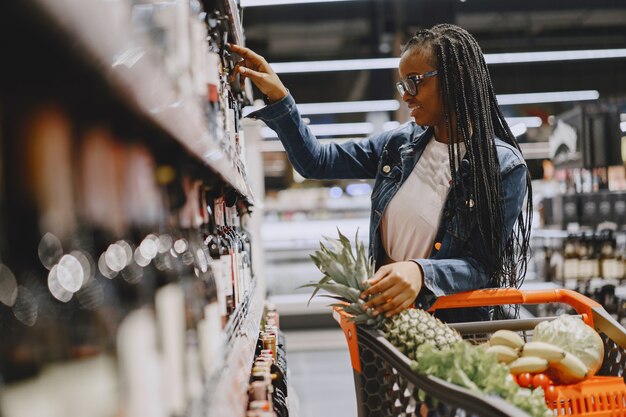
(458, 261)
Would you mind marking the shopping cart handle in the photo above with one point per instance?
(499, 296)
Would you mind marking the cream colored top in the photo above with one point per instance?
(410, 221)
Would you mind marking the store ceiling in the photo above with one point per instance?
(376, 28)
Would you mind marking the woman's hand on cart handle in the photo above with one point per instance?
(395, 287)
(255, 67)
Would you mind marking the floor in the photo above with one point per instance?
(320, 374)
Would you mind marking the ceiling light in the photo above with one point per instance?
(349, 107)
(527, 121)
(335, 65)
(277, 146)
(390, 125)
(551, 97)
(334, 129)
(518, 129)
(494, 59)
(548, 56)
(342, 107)
(257, 3)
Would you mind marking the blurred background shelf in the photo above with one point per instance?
(104, 34)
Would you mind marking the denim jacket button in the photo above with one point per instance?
(470, 203)
(437, 245)
(386, 169)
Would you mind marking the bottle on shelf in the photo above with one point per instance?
(115, 253)
(227, 255)
(570, 261)
(268, 381)
(608, 258)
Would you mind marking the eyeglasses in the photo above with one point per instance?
(410, 83)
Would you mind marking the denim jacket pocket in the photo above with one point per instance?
(389, 172)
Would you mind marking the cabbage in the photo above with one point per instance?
(574, 336)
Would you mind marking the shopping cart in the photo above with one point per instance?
(386, 386)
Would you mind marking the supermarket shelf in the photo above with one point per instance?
(235, 22)
(104, 31)
(227, 392)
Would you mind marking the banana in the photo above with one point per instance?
(528, 364)
(543, 350)
(506, 338)
(504, 354)
(572, 369)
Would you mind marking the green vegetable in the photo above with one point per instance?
(574, 336)
(472, 367)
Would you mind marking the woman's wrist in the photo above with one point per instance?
(276, 96)
(420, 277)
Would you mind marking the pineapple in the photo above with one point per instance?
(345, 277)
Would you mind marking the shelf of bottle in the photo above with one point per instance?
(227, 392)
(235, 21)
(104, 32)
(559, 234)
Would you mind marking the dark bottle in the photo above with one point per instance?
(214, 245)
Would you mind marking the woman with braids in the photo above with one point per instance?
(450, 186)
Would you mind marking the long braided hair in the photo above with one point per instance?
(471, 107)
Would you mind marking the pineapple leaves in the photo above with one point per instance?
(350, 294)
(324, 280)
(346, 269)
(335, 297)
(345, 242)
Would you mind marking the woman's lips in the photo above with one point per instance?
(414, 108)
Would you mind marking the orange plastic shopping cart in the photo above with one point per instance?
(386, 386)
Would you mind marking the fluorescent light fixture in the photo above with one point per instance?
(552, 97)
(549, 56)
(349, 107)
(519, 129)
(277, 146)
(356, 189)
(494, 59)
(622, 126)
(257, 3)
(334, 129)
(390, 125)
(335, 65)
(528, 121)
(342, 107)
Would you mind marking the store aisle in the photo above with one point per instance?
(320, 373)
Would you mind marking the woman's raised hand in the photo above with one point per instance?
(255, 67)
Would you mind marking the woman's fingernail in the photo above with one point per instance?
(375, 313)
(388, 315)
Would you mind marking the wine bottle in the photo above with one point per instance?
(227, 253)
